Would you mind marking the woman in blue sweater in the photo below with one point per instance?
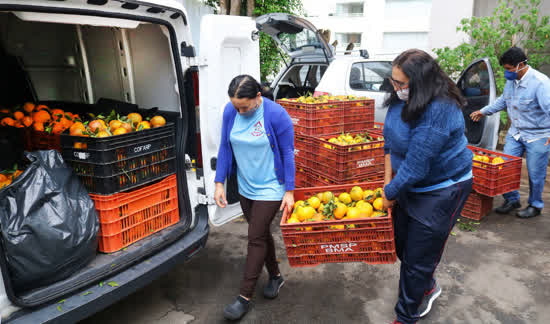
(428, 174)
(258, 143)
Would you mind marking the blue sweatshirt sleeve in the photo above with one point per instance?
(285, 139)
(427, 140)
(223, 163)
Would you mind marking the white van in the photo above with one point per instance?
(136, 52)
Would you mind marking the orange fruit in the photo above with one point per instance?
(18, 115)
(18, 124)
(127, 126)
(57, 114)
(77, 132)
(5, 183)
(103, 134)
(143, 125)
(27, 121)
(28, 107)
(305, 213)
(65, 122)
(4, 111)
(134, 118)
(114, 124)
(7, 121)
(158, 121)
(378, 204)
(41, 116)
(314, 202)
(77, 125)
(97, 125)
(119, 131)
(340, 211)
(38, 127)
(42, 107)
(57, 128)
(3, 177)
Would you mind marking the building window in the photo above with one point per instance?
(345, 38)
(352, 9)
(402, 41)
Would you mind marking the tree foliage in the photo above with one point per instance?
(513, 23)
(270, 58)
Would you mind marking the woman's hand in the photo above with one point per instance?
(387, 203)
(219, 195)
(288, 201)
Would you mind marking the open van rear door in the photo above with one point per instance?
(477, 84)
(228, 47)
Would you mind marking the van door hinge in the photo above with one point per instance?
(205, 200)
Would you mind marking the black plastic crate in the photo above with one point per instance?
(128, 165)
(129, 180)
(117, 148)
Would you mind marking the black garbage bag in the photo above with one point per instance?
(48, 223)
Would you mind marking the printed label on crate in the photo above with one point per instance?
(365, 163)
(296, 151)
(339, 247)
(142, 148)
(295, 120)
(81, 155)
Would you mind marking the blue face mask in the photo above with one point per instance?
(513, 75)
(509, 75)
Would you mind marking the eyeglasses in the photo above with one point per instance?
(398, 84)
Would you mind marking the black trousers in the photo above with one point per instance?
(422, 224)
(261, 248)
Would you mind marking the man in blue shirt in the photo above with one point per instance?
(526, 97)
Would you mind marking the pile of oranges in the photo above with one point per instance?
(114, 125)
(325, 206)
(40, 118)
(8, 176)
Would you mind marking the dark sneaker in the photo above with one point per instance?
(236, 310)
(507, 207)
(428, 300)
(273, 286)
(528, 212)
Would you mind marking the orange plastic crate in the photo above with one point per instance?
(330, 117)
(496, 179)
(477, 206)
(344, 163)
(130, 216)
(370, 241)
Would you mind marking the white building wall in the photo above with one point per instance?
(391, 26)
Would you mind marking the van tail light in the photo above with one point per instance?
(321, 93)
(195, 76)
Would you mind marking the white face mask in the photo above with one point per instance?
(403, 94)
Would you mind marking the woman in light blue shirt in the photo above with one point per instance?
(258, 142)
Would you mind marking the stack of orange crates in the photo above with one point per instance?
(320, 163)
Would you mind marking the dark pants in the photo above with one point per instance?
(261, 249)
(422, 224)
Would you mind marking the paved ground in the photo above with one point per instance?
(498, 274)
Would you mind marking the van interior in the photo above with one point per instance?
(80, 65)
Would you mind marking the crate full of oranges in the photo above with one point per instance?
(495, 173)
(343, 223)
(116, 153)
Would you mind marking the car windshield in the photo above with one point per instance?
(295, 42)
(370, 76)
